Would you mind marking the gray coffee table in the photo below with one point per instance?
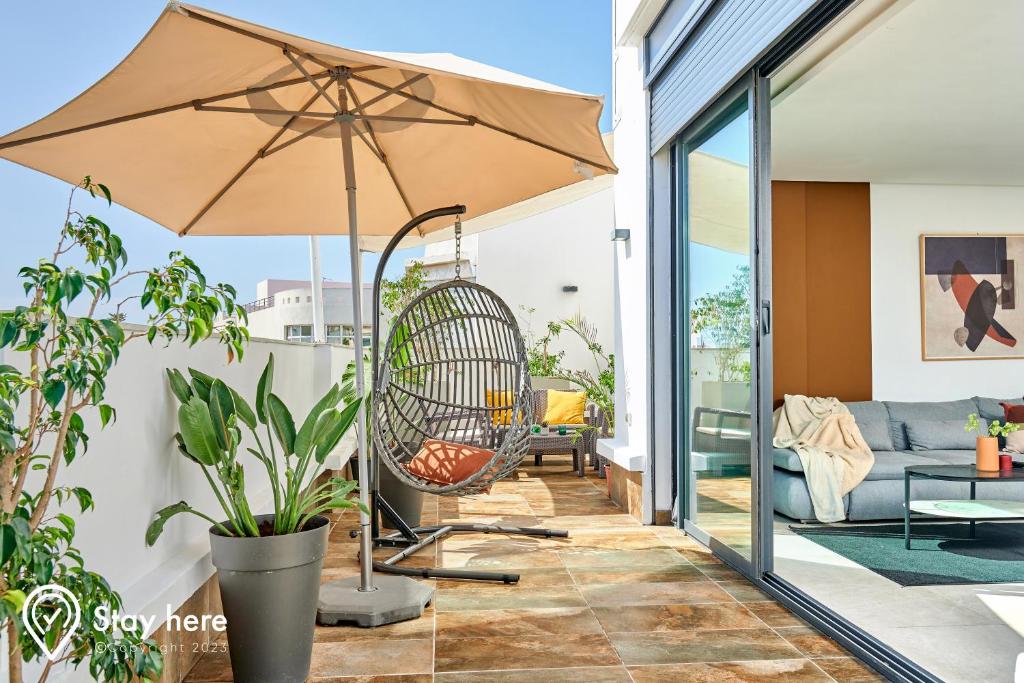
(557, 444)
(973, 510)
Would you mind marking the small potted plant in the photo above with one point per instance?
(268, 566)
(987, 445)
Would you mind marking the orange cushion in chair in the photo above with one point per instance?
(444, 462)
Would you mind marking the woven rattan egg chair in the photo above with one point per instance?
(451, 395)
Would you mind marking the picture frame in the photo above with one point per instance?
(970, 309)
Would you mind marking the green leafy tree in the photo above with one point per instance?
(543, 362)
(396, 294)
(211, 418)
(70, 349)
(725, 317)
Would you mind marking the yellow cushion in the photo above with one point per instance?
(565, 407)
(500, 399)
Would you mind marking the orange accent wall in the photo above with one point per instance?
(821, 289)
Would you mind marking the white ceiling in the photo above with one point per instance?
(912, 91)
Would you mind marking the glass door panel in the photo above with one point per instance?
(718, 292)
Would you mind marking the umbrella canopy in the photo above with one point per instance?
(217, 126)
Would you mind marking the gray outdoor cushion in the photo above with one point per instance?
(876, 435)
(938, 435)
(900, 412)
(990, 409)
(891, 465)
(947, 457)
(787, 459)
(868, 411)
(872, 419)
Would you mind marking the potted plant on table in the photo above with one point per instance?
(987, 448)
(268, 566)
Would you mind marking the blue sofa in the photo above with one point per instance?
(892, 431)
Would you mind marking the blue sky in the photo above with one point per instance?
(53, 52)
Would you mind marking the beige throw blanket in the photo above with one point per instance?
(832, 451)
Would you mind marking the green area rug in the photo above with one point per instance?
(941, 554)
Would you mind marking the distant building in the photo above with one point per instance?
(549, 257)
(284, 310)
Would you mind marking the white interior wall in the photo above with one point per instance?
(899, 215)
(133, 467)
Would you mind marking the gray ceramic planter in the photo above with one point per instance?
(269, 587)
(407, 501)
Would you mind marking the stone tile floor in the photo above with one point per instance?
(615, 602)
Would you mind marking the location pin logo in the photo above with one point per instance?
(47, 608)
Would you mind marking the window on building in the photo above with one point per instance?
(299, 333)
(334, 335)
(348, 333)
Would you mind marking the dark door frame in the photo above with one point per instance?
(756, 84)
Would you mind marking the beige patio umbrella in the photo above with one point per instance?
(216, 126)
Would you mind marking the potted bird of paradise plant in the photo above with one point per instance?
(268, 566)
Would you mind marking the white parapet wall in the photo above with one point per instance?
(133, 467)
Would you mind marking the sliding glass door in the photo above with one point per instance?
(716, 333)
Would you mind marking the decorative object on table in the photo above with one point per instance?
(986, 445)
(562, 430)
(268, 566)
(968, 303)
(1005, 462)
(544, 429)
(535, 429)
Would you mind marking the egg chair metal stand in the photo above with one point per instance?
(455, 368)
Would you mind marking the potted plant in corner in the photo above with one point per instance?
(987, 446)
(268, 566)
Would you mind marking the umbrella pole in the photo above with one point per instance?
(385, 599)
(355, 256)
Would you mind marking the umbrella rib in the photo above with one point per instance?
(256, 36)
(412, 119)
(302, 70)
(383, 157)
(388, 93)
(376, 152)
(485, 124)
(312, 131)
(191, 104)
(264, 111)
(255, 157)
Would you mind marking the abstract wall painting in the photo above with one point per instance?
(969, 305)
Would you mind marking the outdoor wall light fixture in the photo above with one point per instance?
(570, 288)
(620, 235)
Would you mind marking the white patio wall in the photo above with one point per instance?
(133, 467)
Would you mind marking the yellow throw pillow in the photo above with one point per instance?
(500, 399)
(565, 407)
